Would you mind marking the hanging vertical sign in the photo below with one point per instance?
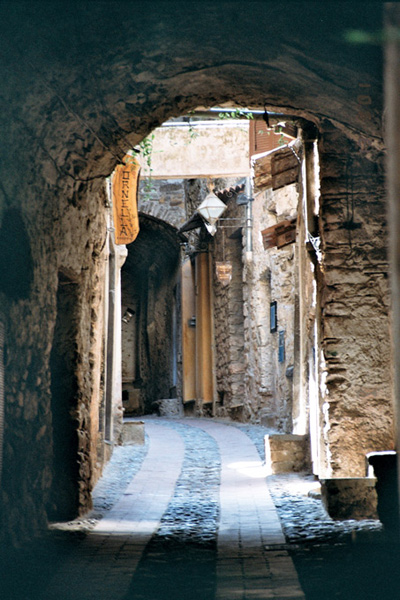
(125, 197)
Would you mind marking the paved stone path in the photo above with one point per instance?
(103, 564)
(240, 534)
(248, 565)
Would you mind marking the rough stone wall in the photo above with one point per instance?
(355, 303)
(163, 199)
(228, 316)
(195, 192)
(269, 275)
(53, 228)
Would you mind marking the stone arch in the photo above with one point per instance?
(85, 85)
(128, 87)
(171, 215)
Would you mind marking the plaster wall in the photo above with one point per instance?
(205, 149)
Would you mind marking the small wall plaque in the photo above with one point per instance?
(224, 272)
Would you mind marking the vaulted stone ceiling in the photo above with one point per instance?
(82, 82)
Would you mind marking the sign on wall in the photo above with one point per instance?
(125, 195)
(224, 272)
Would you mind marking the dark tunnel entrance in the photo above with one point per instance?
(149, 304)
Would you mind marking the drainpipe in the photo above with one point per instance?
(249, 218)
(110, 347)
(392, 139)
(174, 353)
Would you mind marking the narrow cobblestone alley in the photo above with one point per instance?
(190, 516)
(203, 235)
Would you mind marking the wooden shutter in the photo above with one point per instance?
(263, 139)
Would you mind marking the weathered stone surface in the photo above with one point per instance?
(286, 453)
(355, 306)
(270, 275)
(350, 498)
(169, 407)
(229, 313)
(164, 200)
(132, 433)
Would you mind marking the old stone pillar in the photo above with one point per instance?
(309, 256)
(113, 389)
(354, 302)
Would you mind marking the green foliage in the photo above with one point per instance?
(281, 141)
(192, 133)
(238, 113)
(146, 151)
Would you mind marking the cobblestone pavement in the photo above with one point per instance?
(182, 552)
(334, 560)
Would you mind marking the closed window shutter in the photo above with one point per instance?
(263, 139)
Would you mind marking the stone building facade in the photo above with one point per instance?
(271, 276)
(276, 377)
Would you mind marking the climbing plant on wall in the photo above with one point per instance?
(146, 151)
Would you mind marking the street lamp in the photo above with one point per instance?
(211, 209)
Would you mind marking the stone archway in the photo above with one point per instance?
(82, 86)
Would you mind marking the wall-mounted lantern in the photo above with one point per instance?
(211, 209)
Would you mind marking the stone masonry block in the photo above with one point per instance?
(286, 453)
(132, 433)
(170, 407)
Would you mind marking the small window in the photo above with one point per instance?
(281, 348)
(273, 317)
